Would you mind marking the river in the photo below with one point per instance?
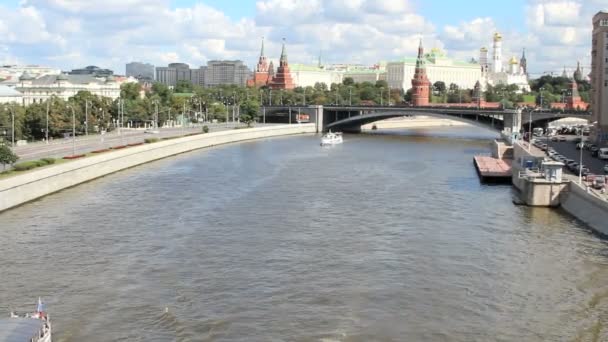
(388, 237)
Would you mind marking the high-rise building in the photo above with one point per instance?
(599, 76)
(175, 72)
(141, 71)
(225, 73)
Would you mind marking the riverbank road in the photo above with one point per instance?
(568, 149)
(59, 148)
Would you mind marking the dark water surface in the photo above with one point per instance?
(388, 237)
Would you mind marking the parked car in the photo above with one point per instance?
(599, 182)
(554, 138)
(606, 168)
(595, 153)
(562, 138)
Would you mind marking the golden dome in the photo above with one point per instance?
(497, 37)
(513, 60)
(484, 49)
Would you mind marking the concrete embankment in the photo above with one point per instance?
(586, 206)
(23, 188)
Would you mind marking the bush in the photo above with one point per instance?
(151, 140)
(49, 161)
(28, 165)
(205, 129)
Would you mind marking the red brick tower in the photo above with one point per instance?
(282, 79)
(573, 100)
(260, 76)
(420, 83)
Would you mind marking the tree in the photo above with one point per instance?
(183, 86)
(7, 156)
(440, 87)
(130, 90)
(163, 92)
(348, 81)
(381, 84)
(249, 112)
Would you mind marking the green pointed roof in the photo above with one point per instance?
(283, 53)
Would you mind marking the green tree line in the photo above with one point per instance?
(191, 102)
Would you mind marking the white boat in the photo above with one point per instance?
(30, 327)
(331, 138)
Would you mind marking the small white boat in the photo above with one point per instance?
(331, 138)
(29, 327)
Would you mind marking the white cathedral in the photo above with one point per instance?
(494, 72)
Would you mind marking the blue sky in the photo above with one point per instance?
(110, 33)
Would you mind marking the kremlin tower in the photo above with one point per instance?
(261, 74)
(282, 79)
(420, 83)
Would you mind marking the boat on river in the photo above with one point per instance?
(29, 327)
(331, 138)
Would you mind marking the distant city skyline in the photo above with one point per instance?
(73, 34)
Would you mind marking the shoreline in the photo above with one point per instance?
(20, 189)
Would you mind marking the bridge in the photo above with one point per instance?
(351, 118)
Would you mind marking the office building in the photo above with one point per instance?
(141, 71)
(599, 77)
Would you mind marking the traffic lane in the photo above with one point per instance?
(87, 145)
(568, 150)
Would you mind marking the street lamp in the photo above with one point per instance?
(530, 125)
(381, 98)
(350, 96)
(73, 130)
(541, 98)
(13, 126)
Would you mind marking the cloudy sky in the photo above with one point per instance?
(109, 33)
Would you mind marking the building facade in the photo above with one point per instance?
(37, 90)
(175, 72)
(141, 71)
(225, 73)
(438, 68)
(599, 77)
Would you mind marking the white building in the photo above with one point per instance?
(10, 95)
(13, 72)
(496, 73)
(36, 90)
(439, 67)
(307, 75)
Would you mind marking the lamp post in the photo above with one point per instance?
(8, 108)
(73, 130)
(86, 117)
(46, 133)
(530, 125)
(541, 98)
(381, 98)
(304, 97)
(350, 96)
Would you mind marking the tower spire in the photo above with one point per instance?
(283, 54)
(262, 50)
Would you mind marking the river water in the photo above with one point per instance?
(388, 237)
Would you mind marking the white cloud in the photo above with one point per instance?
(110, 33)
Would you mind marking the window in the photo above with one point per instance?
(604, 22)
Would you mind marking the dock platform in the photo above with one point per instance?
(493, 170)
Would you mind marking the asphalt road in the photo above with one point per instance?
(568, 150)
(59, 148)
